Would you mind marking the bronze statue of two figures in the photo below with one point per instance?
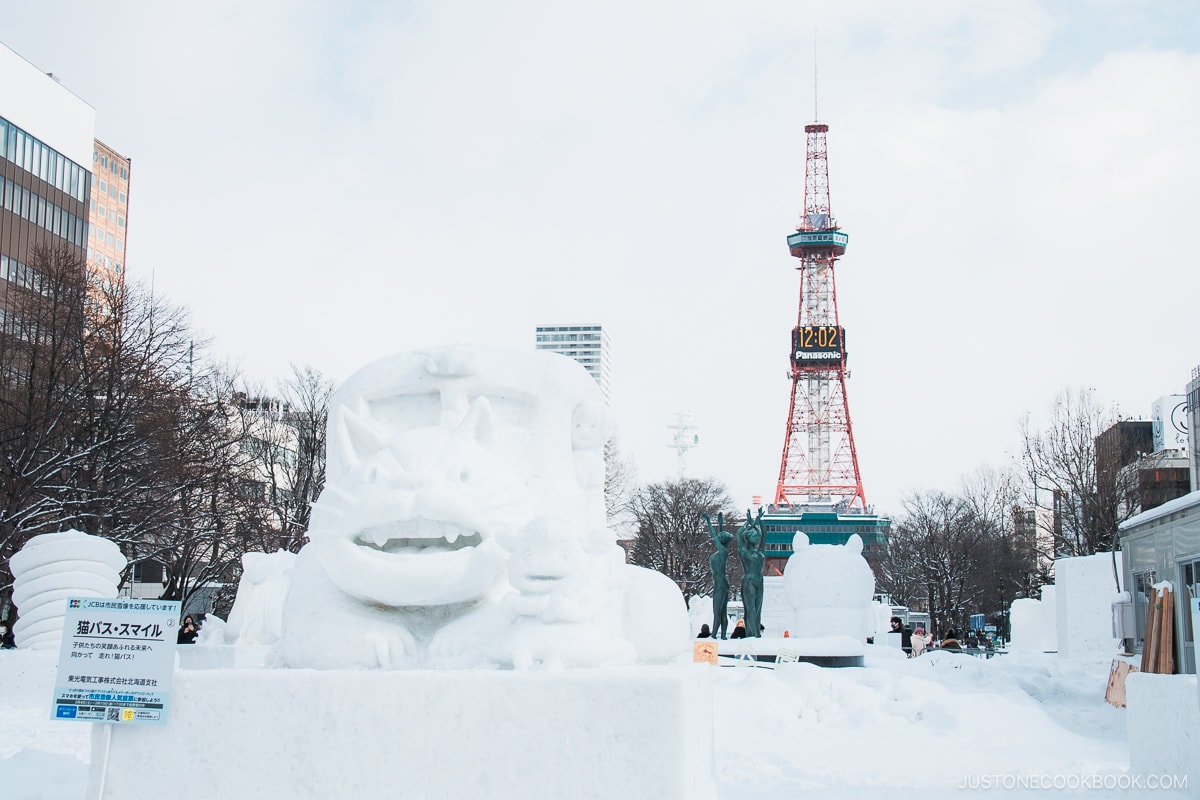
(751, 542)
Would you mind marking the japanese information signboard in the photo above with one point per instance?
(116, 660)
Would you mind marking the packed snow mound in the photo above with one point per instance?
(829, 588)
(52, 567)
(463, 524)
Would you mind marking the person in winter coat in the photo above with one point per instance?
(739, 630)
(905, 635)
(187, 631)
(705, 633)
(951, 643)
(920, 641)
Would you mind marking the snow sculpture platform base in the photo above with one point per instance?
(824, 651)
(267, 734)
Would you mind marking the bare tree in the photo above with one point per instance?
(109, 421)
(936, 552)
(1060, 461)
(285, 441)
(671, 534)
(619, 485)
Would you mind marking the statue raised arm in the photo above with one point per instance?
(717, 562)
(752, 544)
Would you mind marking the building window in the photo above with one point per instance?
(103, 187)
(123, 198)
(120, 221)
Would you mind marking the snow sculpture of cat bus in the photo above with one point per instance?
(462, 524)
(829, 588)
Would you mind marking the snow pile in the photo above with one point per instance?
(829, 588)
(49, 569)
(1085, 588)
(1164, 724)
(1028, 619)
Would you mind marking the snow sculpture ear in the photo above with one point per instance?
(360, 440)
(854, 543)
(799, 540)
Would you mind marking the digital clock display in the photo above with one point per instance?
(818, 345)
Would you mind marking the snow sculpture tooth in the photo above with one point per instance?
(451, 534)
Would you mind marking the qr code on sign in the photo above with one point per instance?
(113, 715)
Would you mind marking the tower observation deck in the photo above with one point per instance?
(819, 467)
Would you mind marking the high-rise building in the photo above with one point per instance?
(587, 344)
(46, 144)
(108, 213)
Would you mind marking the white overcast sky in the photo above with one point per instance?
(327, 182)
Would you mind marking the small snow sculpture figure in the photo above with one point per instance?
(752, 541)
(718, 563)
(829, 588)
(257, 614)
(558, 613)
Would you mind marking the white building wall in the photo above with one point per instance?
(32, 100)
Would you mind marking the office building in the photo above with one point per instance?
(587, 344)
(46, 144)
(108, 213)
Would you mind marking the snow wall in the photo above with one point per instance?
(1084, 592)
(385, 735)
(1163, 718)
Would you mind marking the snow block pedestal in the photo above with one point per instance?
(1163, 720)
(276, 733)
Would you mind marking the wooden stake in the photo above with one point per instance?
(1149, 654)
(1166, 639)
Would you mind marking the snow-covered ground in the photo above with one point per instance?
(941, 725)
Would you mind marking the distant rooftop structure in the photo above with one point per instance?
(586, 343)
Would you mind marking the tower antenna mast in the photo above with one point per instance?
(816, 116)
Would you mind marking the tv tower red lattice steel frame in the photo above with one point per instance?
(820, 463)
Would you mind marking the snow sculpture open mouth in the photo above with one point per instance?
(418, 537)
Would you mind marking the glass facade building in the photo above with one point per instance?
(46, 137)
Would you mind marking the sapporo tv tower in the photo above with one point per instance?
(820, 489)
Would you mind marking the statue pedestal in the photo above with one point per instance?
(824, 651)
(267, 733)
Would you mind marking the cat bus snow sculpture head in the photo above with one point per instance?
(829, 588)
(462, 524)
(433, 456)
